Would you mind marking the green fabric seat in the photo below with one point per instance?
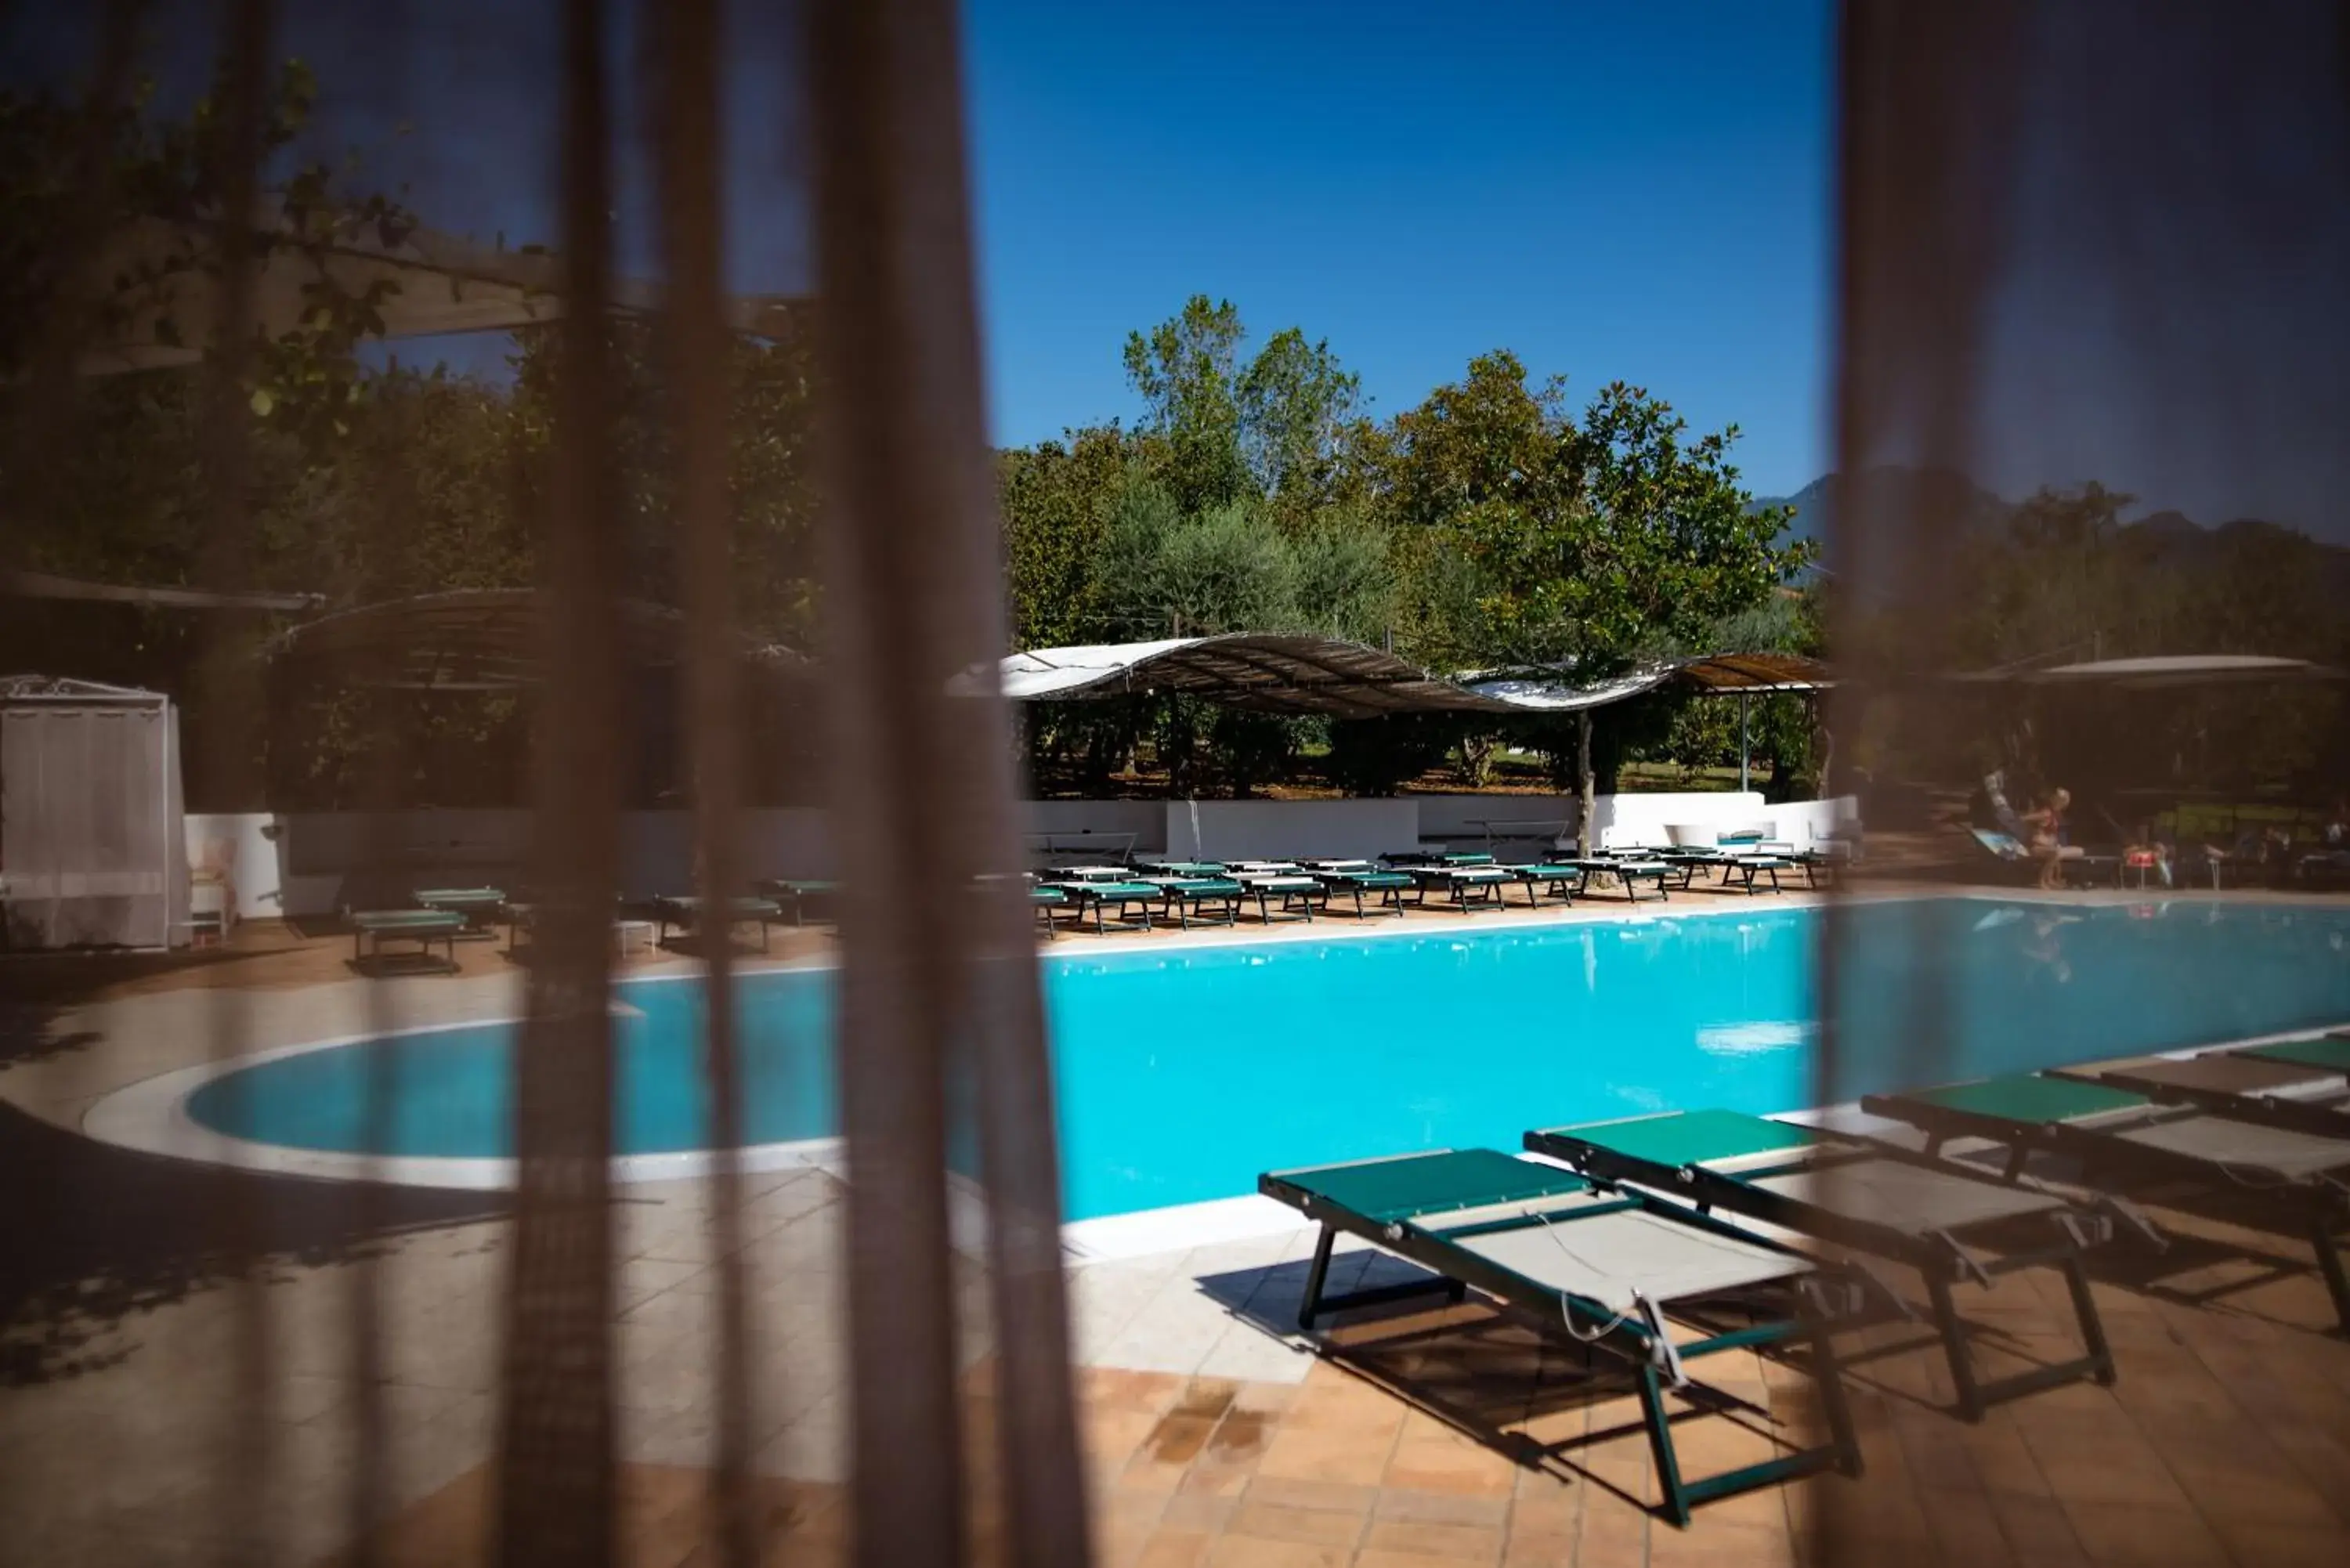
(2112, 1132)
(2329, 1052)
(408, 920)
(1695, 1138)
(1400, 1188)
(2030, 1098)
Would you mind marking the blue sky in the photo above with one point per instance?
(1613, 191)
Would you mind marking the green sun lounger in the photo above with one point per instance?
(1611, 1270)
(1044, 900)
(479, 906)
(798, 894)
(2119, 1135)
(1186, 897)
(1386, 887)
(1124, 895)
(370, 929)
(1183, 868)
(2331, 1052)
(688, 914)
(1280, 895)
(1559, 883)
(1467, 888)
(2281, 1092)
(1630, 872)
(1922, 1213)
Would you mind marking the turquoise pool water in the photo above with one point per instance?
(1181, 1074)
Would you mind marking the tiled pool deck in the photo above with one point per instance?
(1214, 1435)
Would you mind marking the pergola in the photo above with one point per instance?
(1267, 672)
(1303, 673)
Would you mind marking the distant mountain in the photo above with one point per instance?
(2169, 539)
(1816, 503)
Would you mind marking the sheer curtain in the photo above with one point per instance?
(886, 1374)
(2092, 277)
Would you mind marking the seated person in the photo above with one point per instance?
(2046, 841)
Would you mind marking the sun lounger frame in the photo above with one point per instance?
(1186, 895)
(687, 914)
(1590, 1323)
(2321, 1118)
(370, 928)
(1936, 1256)
(1390, 887)
(2321, 1203)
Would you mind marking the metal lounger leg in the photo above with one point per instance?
(1954, 1348)
(2093, 1327)
(1829, 1375)
(1310, 1307)
(1660, 1444)
(2329, 1257)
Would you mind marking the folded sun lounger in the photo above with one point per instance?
(2117, 1134)
(370, 929)
(1915, 1211)
(1610, 1270)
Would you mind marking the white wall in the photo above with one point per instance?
(306, 863)
(1071, 820)
(1462, 818)
(1275, 829)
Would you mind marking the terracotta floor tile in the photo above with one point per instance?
(1534, 1549)
(2037, 1530)
(1330, 1497)
(1613, 1535)
(1257, 1551)
(1205, 1512)
(2285, 1546)
(1443, 1460)
(1173, 1548)
(1458, 1543)
(1353, 1455)
(1278, 1522)
(1553, 1507)
(1442, 1507)
(1377, 1558)
(1718, 1546)
(2129, 1535)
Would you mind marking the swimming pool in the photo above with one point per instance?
(1183, 1072)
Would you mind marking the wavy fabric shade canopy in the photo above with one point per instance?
(1301, 673)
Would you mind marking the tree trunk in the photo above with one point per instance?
(1590, 784)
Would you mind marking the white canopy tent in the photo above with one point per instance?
(93, 849)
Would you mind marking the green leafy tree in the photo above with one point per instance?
(1058, 499)
(1296, 408)
(1187, 370)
